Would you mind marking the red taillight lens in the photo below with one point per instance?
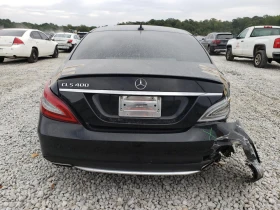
(276, 43)
(52, 107)
(267, 26)
(18, 41)
(70, 41)
(216, 41)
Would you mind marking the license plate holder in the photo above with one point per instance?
(140, 106)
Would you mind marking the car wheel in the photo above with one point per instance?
(33, 56)
(55, 53)
(229, 55)
(260, 59)
(71, 48)
(2, 59)
(209, 50)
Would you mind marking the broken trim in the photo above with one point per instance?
(235, 134)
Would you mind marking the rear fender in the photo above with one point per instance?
(258, 47)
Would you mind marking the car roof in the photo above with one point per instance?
(136, 27)
(265, 26)
(221, 33)
(65, 33)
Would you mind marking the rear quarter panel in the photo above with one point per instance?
(270, 50)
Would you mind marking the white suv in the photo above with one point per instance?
(26, 43)
(66, 41)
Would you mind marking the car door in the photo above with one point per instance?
(38, 42)
(238, 48)
(77, 39)
(249, 42)
(47, 44)
(211, 38)
(204, 42)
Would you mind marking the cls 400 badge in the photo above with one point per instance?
(65, 84)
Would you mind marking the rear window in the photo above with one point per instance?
(224, 36)
(144, 45)
(8, 32)
(63, 35)
(265, 32)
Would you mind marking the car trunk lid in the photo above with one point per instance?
(6, 41)
(94, 89)
(223, 39)
(75, 68)
(62, 38)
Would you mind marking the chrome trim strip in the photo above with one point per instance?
(136, 172)
(140, 93)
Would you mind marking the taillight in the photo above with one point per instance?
(18, 41)
(216, 41)
(53, 108)
(218, 111)
(267, 26)
(276, 43)
(70, 41)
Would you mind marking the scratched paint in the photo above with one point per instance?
(211, 134)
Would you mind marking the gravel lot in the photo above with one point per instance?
(28, 182)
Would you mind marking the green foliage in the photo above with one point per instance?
(47, 27)
(213, 25)
(195, 27)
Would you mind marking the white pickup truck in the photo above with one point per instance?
(262, 43)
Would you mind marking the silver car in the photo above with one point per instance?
(66, 41)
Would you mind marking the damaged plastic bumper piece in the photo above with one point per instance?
(225, 135)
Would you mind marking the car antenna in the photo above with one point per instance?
(140, 28)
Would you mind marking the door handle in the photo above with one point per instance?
(242, 41)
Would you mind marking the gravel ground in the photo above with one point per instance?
(27, 181)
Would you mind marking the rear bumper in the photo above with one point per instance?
(15, 51)
(276, 56)
(127, 153)
(64, 46)
(221, 48)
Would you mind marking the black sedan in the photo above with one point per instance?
(140, 100)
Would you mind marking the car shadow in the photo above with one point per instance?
(138, 187)
(219, 54)
(10, 61)
(272, 66)
(64, 51)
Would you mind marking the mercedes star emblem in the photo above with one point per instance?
(141, 84)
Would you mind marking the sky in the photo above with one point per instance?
(111, 12)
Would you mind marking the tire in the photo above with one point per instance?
(209, 50)
(2, 59)
(229, 55)
(55, 53)
(260, 59)
(73, 46)
(33, 56)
